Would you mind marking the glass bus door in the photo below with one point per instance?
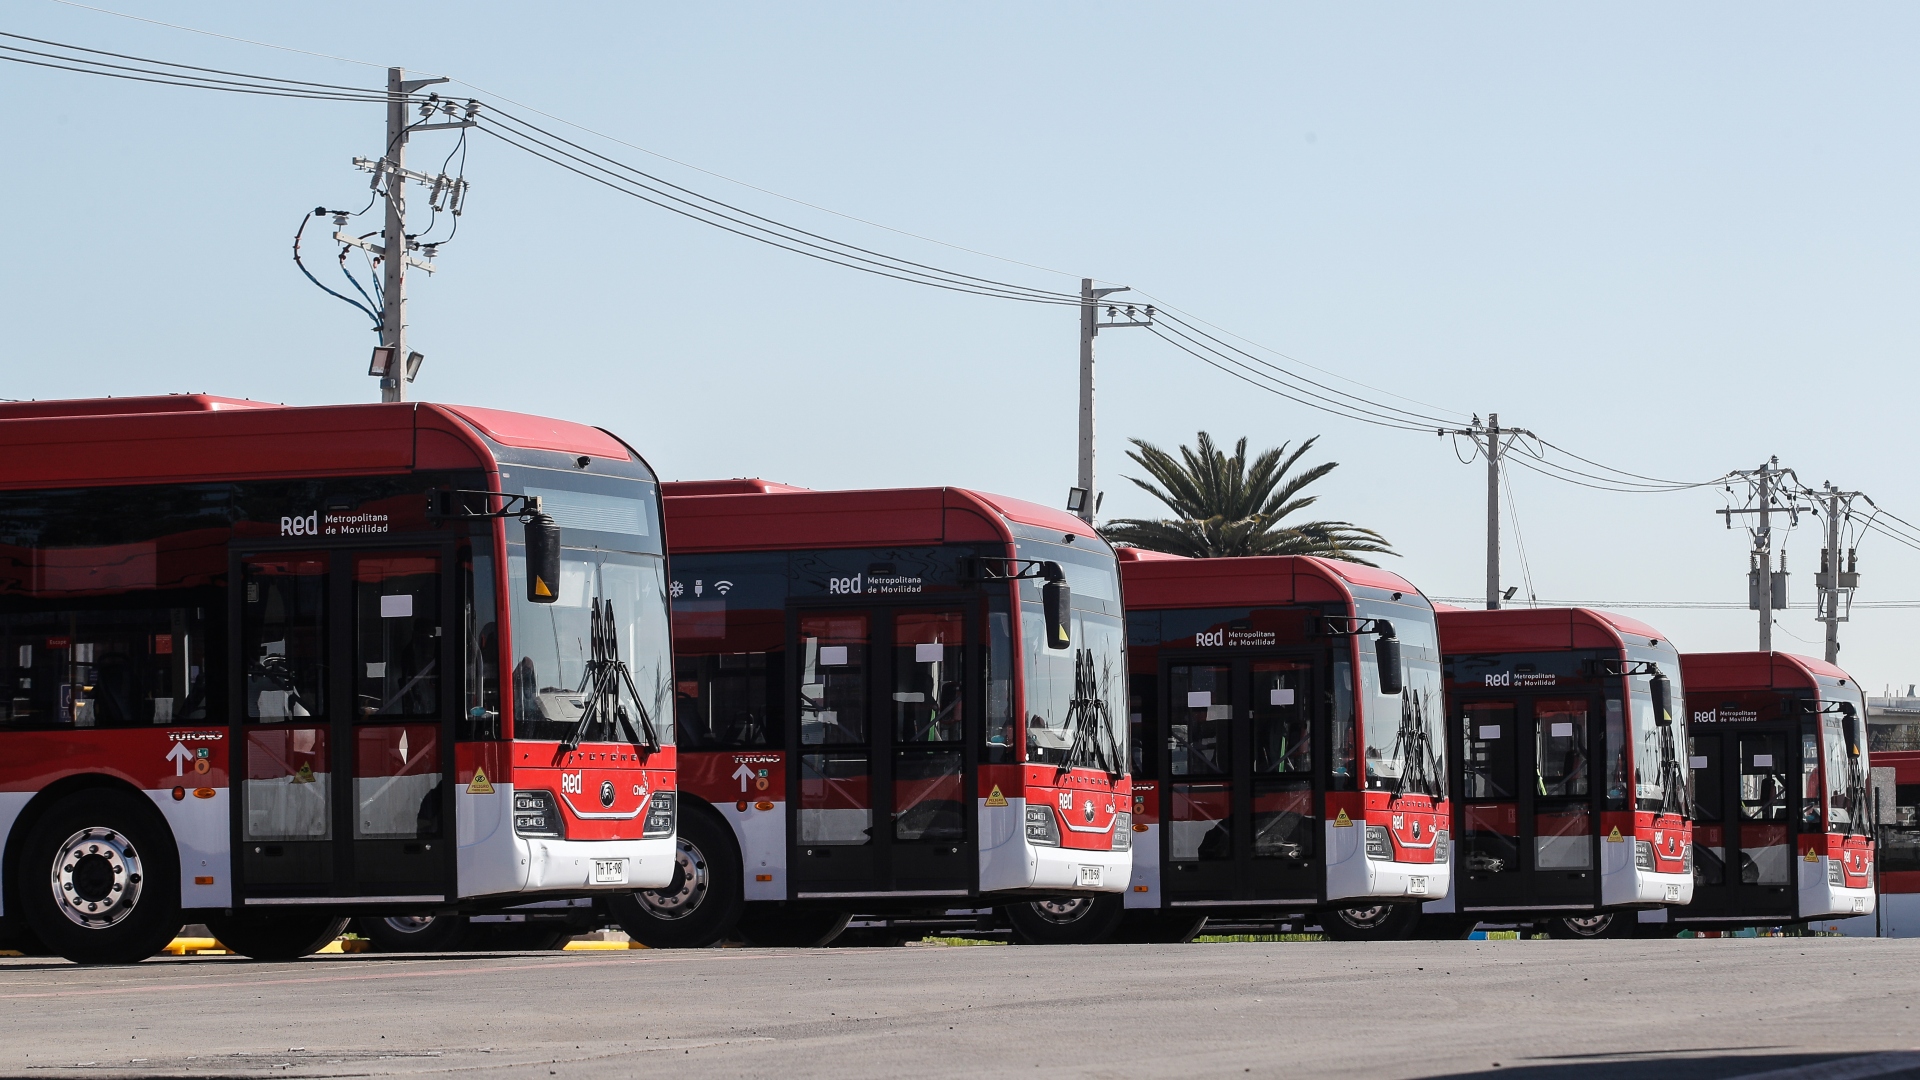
(1526, 798)
(1240, 796)
(882, 754)
(1744, 783)
(343, 724)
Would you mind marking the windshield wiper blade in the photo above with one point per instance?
(600, 684)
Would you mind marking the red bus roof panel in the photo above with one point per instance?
(541, 433)
(754, 515)
(1157, 581)
(1754, 670)
(1538, 630)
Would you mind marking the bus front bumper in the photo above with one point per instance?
(575, 865)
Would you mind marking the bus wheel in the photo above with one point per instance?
(101, 881)
(287, 935)
(1159, 928)
(701, 904)
(1082, 920)
(1605, 924)
(1373, 922)
(415, 933)
(774, 925)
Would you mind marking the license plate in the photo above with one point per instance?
(1673, 892)
(1090, 876)
(609, 871)
(1417, 884)
(1859, 903)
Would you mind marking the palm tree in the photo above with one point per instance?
(1225, 506)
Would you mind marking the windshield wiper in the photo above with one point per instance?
(1413, 745)
(1089, 718)
(600, 685)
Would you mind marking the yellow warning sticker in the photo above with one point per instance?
(304, 774)
(1812, 856)
(994, 798)
(479, 785)
(540, 586)
(1614, 836)
(1343, 821)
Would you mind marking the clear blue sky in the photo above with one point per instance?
(1675, 240)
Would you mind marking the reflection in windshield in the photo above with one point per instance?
(1660, 779)
(1404, 734)
(1076, 698)
(1846, 776)
(554, 646)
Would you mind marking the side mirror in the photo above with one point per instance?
(1662, 700)
(1056, 598)
(1386, 655)
(543, 557)
(1850, 723)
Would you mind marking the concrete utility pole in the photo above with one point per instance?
(1766, 587)
(1837, 578)
(1493, 511)
(1084, 499)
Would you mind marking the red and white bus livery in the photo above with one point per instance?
(254, 660)
(1782, 812)
(1567, 729)
(1280, 769)
(889, 702)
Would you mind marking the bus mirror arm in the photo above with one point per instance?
(542, 533)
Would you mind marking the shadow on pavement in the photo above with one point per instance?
(1707, 1065)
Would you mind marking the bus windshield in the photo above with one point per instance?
(1405, 740)
(1846, 773)
(1076, 697)
(1660, 781)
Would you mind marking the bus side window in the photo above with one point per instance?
(1143, 722)
(103, 667)
(728, 676)
(1614, 754)
(480, 715)
(1002, 731)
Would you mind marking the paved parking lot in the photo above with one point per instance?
(1816, 1007)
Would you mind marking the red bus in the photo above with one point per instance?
(1782, 810)
(1277, 773)
(1570, 792)
(889, 702)
(1896, 783)
(254, 660)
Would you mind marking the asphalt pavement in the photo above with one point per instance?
(1786, 1008)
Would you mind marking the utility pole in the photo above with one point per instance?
(1767, 587)
(1493, 511)
(393, 363)
(1837, 578)
(1083, 499)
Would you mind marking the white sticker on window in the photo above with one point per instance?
(1489, 731)
(397, 607)
(1561, 731)
(833, 655)
(1763, 761)
(1199, 699)
(909, 697)
(1696, 763)
(1219, 712)
(377, 671)
(1282, 696)
(929, 653)
(162, 710)
(828, 716)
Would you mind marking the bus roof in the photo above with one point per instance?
(1539, 630)
(1755, 670)
(1156, 580)
(183, 438)
(754, 515)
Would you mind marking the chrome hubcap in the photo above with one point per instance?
(409, 924)
(1063, 912)
(96, 878)
(1591, 924)
(1365, 918)
(683, 896)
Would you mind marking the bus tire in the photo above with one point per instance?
(702, 903)
(1370, 922)
(774, 925)
(415, 933)
(1159, 928)
(1603, 924)
(278, 935)
(1080, 920)
(100, 879)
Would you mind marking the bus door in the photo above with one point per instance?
(344, 725)
(1526, 795)
(1240, 795)
(882, 758)
(1744, 833)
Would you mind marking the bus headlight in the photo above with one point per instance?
(1040, 827)
(1379, 842)
(536, 814)
(1123, 831)
(659, 815)
(1643, 855)
(1440, 841)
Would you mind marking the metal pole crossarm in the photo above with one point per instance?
(450, 126)
(408, 86)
